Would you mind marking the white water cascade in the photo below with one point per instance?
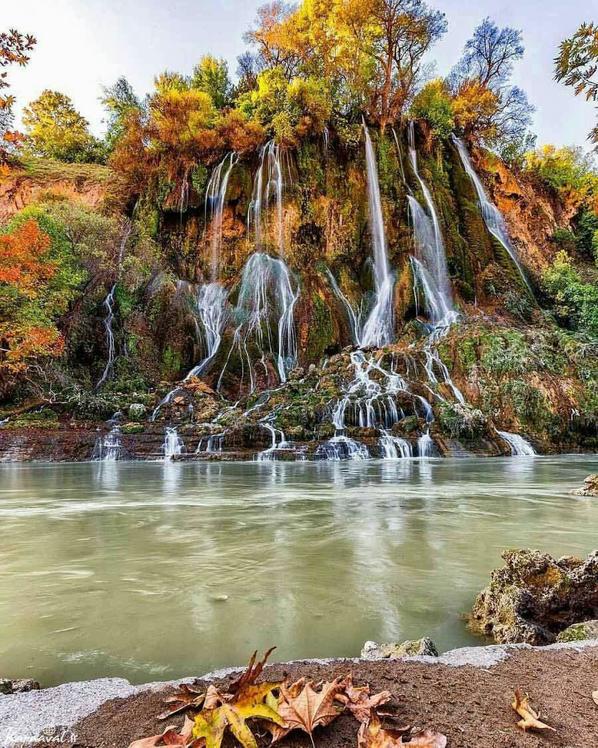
(267, 290)
(108, 305)
(429, 242)
(212, 312)
(214, 207)
(394, 447)
(108, 448)
(425, 445)
(491, 214)
(268, 187)
(378, 329)
(173, 445)
(519, 446)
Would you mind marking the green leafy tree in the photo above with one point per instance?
(210, 75)
(575, 302)
(55, 129)
(120, 102)
(434, 104)
(577, 65)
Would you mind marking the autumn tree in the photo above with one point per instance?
(577, 65)
(487, 107)
(55, 129)
(14, 50)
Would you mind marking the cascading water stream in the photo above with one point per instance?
(212, 312)
(214, 207)
(173, 445)
(518, 445)
(108, 305)
(491, 214)
(108, 448)
(378, 329)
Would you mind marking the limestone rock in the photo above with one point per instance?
(579, 632)
(534, 597)
(394, 651)
(18, 686)
(137, 411)
(589, 488)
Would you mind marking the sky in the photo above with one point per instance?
(84, 45)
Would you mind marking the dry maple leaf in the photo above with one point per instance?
(187, 697)
(170, 736)
(530, 718)
(595, 697)
(359, 701)
(246, 700)
(303, 708)
(373, 735)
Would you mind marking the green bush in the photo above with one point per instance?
(575, 303)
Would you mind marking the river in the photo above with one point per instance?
(152, 571)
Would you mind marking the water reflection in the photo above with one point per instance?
(99, 562)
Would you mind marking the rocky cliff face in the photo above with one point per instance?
(269, 278)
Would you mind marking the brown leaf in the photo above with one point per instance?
(303, 708)
(530, 718)
(595, 697)
(170, 736)
(373, 735)
(187, 697)
(251, 672)
(359, 701)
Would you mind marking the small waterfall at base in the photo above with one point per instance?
(108, 448)
(173, 445)
(378, 329)
(492, 216)
(214, 206)
(211, 309)
(393, 447)
(519, 446)
(425, 445)
(266, 290)
(211, 444)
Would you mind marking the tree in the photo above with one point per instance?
(14, 49)
(434, 104)
(487, 107)
(210, 75)
(392, 37)
(577, 65)
(55, 129)
(120, 101)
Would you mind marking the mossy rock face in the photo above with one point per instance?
(534, 597)
(579, 632)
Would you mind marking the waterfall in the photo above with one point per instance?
(108, 305)
(211, 444)
(393, 447)
(519, 446)
(429, 241)
(266, 291)
(491, 214)
(214, 207)
(354, 315)
(173, 445)
(268, 185)
(425, 445)
(379, 327)
(211, 309)
(108, 448)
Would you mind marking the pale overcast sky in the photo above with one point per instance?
(86, 44)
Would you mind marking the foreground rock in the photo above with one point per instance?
(391, 651)
(579, 632)
(589, 488)
(18, 686)
(534, 597)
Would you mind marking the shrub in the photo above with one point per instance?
(575, 302)
(434, 104)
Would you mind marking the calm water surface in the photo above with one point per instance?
(153, 571)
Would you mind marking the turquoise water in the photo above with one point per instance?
(153, 571)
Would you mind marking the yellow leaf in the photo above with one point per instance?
(530, 718)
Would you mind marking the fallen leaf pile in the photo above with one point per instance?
(279, 708)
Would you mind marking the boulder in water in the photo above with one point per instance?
(394, 651)
(534, 597)
(589, 488)
(8, 686)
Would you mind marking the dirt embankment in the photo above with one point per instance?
(470, 704)
(36, 181)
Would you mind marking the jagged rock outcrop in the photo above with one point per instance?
(589, 488)
(394, 651)
(534, 597)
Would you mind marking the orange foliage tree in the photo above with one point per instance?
(14, 49)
